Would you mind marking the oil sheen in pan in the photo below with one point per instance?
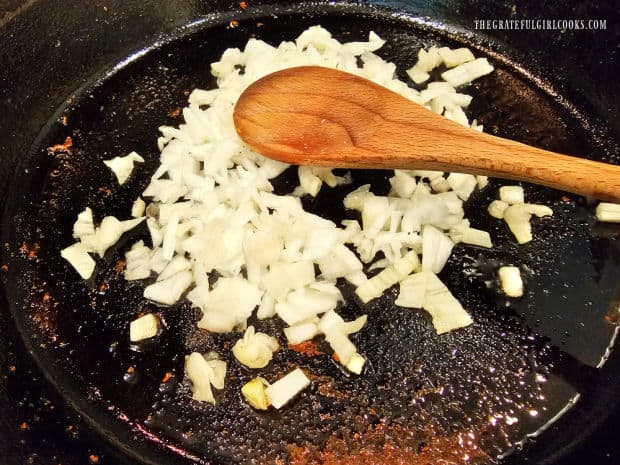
(464, 397)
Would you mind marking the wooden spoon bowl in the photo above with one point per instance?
(311, 115)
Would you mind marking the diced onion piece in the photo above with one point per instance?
(510, 279)
(517, 218)
(350, 327)
(608, 212)
(255, 393)
(282, 277)
(428, 59)
(263, 248)
(336, 332)
(137, 262)
(304, 303)
(301, 332)
(447, 313)
(77, 256)
(230, 303)
(340, 262)
(357, 279)
(436, 249)
(168, 291)
(123, 166)
(356, 364)
(138, 207)
(482, 181)
(403, 183)
(455, 57)
(467, 72)
(218, 367)
(462, 184)
(512, 194)
(203, 373)
(287, 387)
(471, 236)
(174, 266)
(255, 350)
(266, 308)
(84, 225)
(477, 237)
(145, 327)
(326, 175)
(375, 286)
(538, 210)
(309, 181)
(412, 291)
(108, 233)
(341, 345)
(417, 74)
(497, 208)
(356, 199)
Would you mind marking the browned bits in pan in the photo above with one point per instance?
(65, 147)
(119, 266)
(174, 113)
(308, 348)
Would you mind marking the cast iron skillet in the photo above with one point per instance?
(477, 392)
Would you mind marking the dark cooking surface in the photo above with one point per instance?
(31, 427)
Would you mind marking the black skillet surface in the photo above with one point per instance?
(556, 334)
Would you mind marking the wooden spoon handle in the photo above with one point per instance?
(481, 154)
(320, 116)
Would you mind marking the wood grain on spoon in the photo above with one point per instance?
(311, 115)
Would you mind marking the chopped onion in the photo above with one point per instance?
(283, 390)
(283, 277)
(222, 237)
(302, 332)
(255, 393)
(517, 218)
(455, 57)
(425, 290)
(84, 225)
(447, 313)
(123, 166)
(168, 291)
(77, 256)
(467, 72)
(497, 208)
(412, 291)
(512, 194)
(463, 233)
(203, 373)
(375, 286)
(145, 327)
(138, 207)
(108, 233)
(417, 74)
(436, 249)
(305, 303)
(230, 304)
(462, 184)
(608, 212)
(538, 210)
(255, 350)
(356, 364)
(510, 279)
(137, 262)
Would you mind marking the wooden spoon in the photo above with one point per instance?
(311, 115)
